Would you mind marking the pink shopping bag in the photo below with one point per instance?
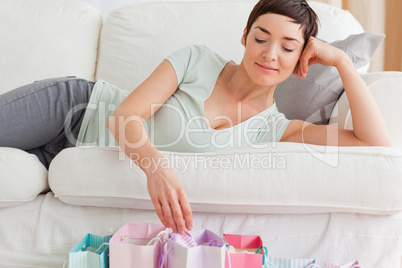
(324, 264)
(130, 246)
(244, 243)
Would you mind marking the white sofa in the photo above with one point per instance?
(329, 203)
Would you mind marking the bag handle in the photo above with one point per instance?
(227, 252)
(103, 244)
(265, 261)
(159, 237)
(163, 256)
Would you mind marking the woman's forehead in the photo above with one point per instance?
(276, 24)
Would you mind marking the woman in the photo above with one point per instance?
(278, 40)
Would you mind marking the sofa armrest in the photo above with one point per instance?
(386, 88)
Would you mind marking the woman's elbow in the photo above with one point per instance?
(381, 143)
(387, 143)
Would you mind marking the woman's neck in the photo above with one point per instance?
(244, 90)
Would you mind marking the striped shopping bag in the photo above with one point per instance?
(91, 252)
(274, 262)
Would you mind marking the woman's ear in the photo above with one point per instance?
(243, 38)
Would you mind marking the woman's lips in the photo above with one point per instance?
(266, 68)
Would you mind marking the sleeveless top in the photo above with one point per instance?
(180, 125)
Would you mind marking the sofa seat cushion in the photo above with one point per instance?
(22, 177)
(281, 178)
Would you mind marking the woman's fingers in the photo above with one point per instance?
(177, 216)
(181, 211)
(306, 58)
(159, 212)
(186, 209)
(299, 71)
(170, 200)
(317, 51)
(167, 213)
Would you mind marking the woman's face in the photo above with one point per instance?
(273, 47)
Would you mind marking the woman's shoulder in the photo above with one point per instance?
(195, 58)
(194, 52)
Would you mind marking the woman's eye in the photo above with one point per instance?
(259, 40)
(287, 50)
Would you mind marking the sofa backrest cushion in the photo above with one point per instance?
(280, 178)
(136, 38)
(386, 88)
(47, 38)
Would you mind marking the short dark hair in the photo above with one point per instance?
(298, 10)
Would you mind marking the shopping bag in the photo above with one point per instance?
(324, 264)
(248, 253)
(273, 262)
(206, 250)
(137, 245)
(91, 252)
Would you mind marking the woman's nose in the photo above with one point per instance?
(270, 53)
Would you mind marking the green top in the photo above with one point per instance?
(180, 124)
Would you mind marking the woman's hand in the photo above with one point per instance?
(170, 199)
(317, 51)
(369, 128)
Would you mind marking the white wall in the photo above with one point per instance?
(371, 15)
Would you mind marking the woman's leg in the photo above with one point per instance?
(44, 117)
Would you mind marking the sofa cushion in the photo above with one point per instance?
(134, 38)
(45, 38)
(281, 178)
(22, 177)
(313, 98)
(386, 88)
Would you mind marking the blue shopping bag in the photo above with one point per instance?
(91, 252)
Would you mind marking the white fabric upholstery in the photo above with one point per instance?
(286, 178)
(22, 177)
(335, 23)
(136, 38)
(386, 88)
(46, 38)
(53, 228)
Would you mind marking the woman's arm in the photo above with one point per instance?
(369, 128)
(126, 125)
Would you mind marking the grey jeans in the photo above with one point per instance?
(44, 117)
